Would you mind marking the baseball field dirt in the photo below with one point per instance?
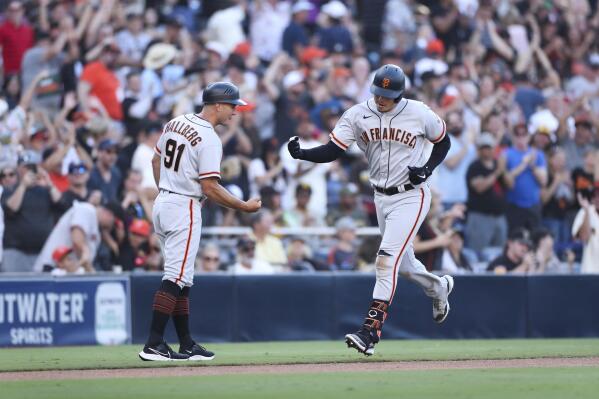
(431, 369)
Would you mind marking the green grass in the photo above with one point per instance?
(530, 383)
(64, 358)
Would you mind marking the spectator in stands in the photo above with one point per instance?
(80, 228)
(435, 233)
(584, 177)
(269, 19)
(295, 36)
(300, 215)
(8, 178)
(135, 204)
(209, 259)
(451, 175)
(349, 206)
(105, 176)
(558, 198)
(545, 259)
(16, 36)
(288, 92)
(454, 260)
(133, 40)
(301, 257)
(271, 200)
(336, 37)
(99, 80)
(267, 170)
(586, 228)
(78, 191)
(48, 55)
(299, 172)
(142, 157)
(247, 261)
(525, 175)
(485, 224)
(344, 255)
(65, 262)
(584, 141)
(268, 247)
(517, 256)
(28, 211)
(135, 248)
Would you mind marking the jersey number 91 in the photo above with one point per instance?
(172, 154)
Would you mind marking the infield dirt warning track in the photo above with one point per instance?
(206, 370)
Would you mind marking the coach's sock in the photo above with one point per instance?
(164, 304)
(375, 318)
(181, 318)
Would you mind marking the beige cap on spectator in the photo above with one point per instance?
(335, 9)
(159, 55)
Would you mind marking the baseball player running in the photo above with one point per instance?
(186, 167)
(395, 134)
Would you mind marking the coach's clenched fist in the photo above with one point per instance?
(253, 205)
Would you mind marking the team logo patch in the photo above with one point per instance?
(386, 82)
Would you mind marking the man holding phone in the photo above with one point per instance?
(28, 211)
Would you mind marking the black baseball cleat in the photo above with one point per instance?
(362, 341)
(161, 353)
(197, 352)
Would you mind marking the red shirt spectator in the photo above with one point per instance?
(16, 37)
(102, 83)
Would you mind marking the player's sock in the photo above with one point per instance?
(181, 318)
(163, 306)
(376, 317)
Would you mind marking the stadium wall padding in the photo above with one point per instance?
(329, 305)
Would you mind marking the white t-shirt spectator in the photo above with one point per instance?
(266, 29)
(225, 27)
(81, 215)
(258, 267)
(315, 177)
(142, 161)
(590, 254)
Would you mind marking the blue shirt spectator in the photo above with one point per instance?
(295, 36)
(526, 191)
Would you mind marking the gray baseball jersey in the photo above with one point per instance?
(190, 150)
(393, 140)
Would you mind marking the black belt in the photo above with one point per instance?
(393, 190)
(186, 195)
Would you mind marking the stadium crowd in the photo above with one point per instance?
(88, 84)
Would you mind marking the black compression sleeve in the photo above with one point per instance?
(439, 153)
(323, 153)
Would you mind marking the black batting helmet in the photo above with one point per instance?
(389, 81)
(222, 92)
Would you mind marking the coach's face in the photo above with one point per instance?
(384, 104)
(225, 112)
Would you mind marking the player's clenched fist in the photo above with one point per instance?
(293, 146)
(418, 175)
(253, 205)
